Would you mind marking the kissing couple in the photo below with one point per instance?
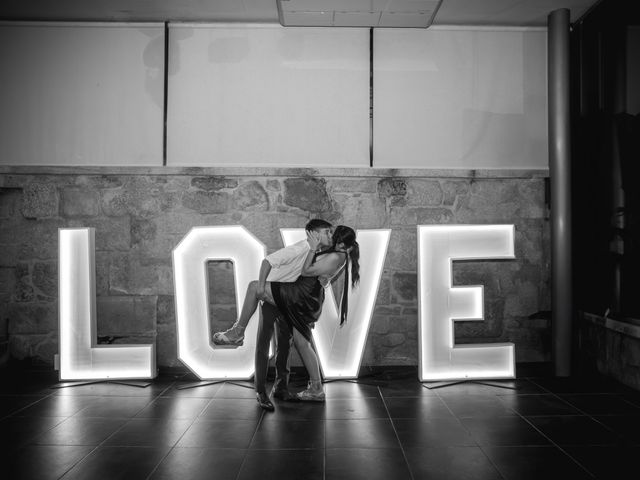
(291, 287)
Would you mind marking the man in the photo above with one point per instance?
(283, 265)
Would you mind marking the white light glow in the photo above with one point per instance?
(340, 348)
(80, 356)
(190, 257)
(441, 304)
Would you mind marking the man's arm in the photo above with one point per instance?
(265, 268)
(286, 255)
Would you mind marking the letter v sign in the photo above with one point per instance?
(340, 348)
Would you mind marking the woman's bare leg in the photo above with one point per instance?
(314, 392)
(235, 334)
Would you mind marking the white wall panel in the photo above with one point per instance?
(460, 98)
(264, 95)
(81, 94)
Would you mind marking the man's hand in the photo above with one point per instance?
(261, 292)
(313, 238)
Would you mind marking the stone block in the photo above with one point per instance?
(222, 317)
(100, 182)
(20, 346)
(402, 251)
(363, 211)
(212, 184)
(531, 198)
(392, 187)
(10, 255)
(143, 232)
(524, 301)
(77, 202)
(250, 196)
(39, 239)
(32, 318)
(7, 284)
(111, 234)
(40, 200)
(126, 315)
(405, 285)
(274, 185)
(135, 275)
(452, 189)
(23, 291)
(403, 216)
(489, 201)
(167, 347)
(384, 292)
(393, 339)
(434, 216)
(45, 280)
(114, 203)
(144, 197)
(166, 311)
(206, 201)
(44, 348)
(222, 290)
(379, 325)
(353, 185)
(308, 194)
(424, 193)
(10, 202)
(265, 226)
(103, 260)
(386, 310)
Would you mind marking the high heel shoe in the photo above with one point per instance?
(234, 336)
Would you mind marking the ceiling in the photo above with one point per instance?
(445, 12)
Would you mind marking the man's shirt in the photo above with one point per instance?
(287, 263)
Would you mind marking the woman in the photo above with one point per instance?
(301, 301)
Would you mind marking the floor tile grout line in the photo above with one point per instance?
(193, 420)
(554, 394)
(15, 414)
(559, 447)
(404, 455)
(248, 449)
(103, 443)
(460, 422)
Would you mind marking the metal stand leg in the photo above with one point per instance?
(130, 383)
(448, 384)
(211, 382)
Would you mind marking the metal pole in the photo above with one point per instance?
(560, 176)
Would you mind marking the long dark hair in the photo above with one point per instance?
(347, 236)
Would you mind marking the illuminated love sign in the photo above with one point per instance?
(80, 357)
(440, 303)
(190, 257)
(340, 348)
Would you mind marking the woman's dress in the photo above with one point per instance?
(300, 302)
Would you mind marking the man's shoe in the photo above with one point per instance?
(283, 393)
(313, 393)
(264, 402)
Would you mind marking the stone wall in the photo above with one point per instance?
(140, 215)
(611, 346)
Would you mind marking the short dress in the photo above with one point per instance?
(300, 302)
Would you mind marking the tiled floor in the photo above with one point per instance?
(388, 426)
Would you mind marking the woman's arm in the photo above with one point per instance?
(326, 265)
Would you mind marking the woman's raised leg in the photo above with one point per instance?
(235, 334)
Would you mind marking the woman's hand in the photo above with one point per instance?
(313, 238)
